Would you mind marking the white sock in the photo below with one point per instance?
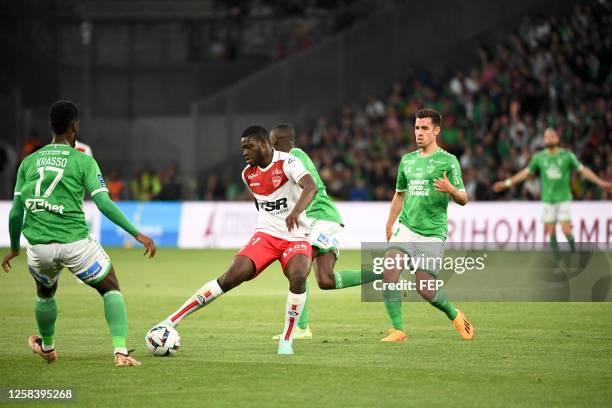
(293, 310)
(47, 348)
(120, 350)
(205, 295)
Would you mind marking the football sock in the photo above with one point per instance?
(348, 278)
(205, 295)
(572, 242)
(303, 322)
(441, 302)
(117, 319)
(393, 304)
(293, 309)
(46, 314)
(555, 247)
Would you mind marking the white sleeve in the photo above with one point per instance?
(294, 169)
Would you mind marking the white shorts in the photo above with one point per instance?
(324, 235)
(417, 245)
(557, 212)
(86, 259)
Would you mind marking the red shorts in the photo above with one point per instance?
(263, 249)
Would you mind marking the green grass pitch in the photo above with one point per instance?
(524, 354)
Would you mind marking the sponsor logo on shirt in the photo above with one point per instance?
(102, 182)
(279, 205)
(38, 204)
(418, 187)
(554, 173)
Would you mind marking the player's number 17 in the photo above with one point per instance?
(41, 172)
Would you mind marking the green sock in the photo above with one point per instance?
(572, 242)
(46, 314)
(441, 302)
(303, 322)
(555, 247)
(116, 317)
(348, 278)
(393, 304)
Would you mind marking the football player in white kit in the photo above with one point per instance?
(282, 188)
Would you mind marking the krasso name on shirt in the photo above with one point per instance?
(52, 161)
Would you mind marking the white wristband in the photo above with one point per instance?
(508, 182)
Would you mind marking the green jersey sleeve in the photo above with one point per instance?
(114, 213)
(401, 184)
(94, 182)
(20, 179)
(16, 222)
(308, 164)
(574, 163)
(455, 174)
(534, 164)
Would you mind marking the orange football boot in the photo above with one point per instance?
(463, 326)
(395, 336)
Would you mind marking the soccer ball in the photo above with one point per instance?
(162, 341)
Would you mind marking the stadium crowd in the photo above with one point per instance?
(551, 72)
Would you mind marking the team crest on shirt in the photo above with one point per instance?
(430, 168)
(276, 181)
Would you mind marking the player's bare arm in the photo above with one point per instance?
(6, 261)
(309, 189)
(394, 212)
(594, 178)
(149, 244)
(518, 178)
(444, 185)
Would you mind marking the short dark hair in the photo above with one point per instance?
(256, 132)
(284, 126)
(62, 114)
(436, 117)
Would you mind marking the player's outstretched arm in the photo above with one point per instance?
(594, 178)
(114, 213)
(519, 177)
(394, 212)
(309, 190)
(15, 226)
